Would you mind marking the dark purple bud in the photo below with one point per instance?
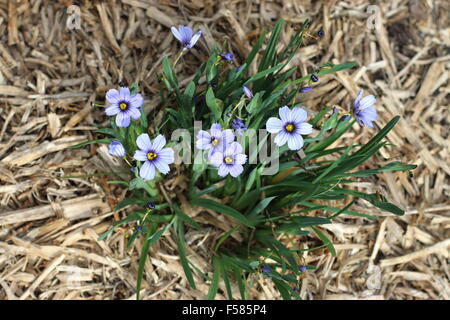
(132, 169)
(196, 99)
(227, 56)
(335, 110)
(139, 228)
(296, 289)
(238, 124)
(247, 92)
(265, 269)
(314, 78)
(320, 33)
(122, 83)
(238, 68)
(213, 83)
(150, 205)
(302, 268)
(345, 118)
(305, 89)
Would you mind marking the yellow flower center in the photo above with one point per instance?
(214, 142)
(151, 155)
(228, 160)
(123, 106)
(289, 127)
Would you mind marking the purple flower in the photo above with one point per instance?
(290, 128)
(320, 33)
(364, 110)
(115, 148)
(217, 140)
(335, 110)
(305, 89)
(154, 154)
(124, 105)
(230, 161)
(265, 269)
(238, 125)
(314, 78)
(227, 56)
(184, 35)
(302, 268)
(247, 92)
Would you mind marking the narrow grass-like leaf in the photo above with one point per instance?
(222, 208)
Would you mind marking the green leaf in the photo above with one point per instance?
(140, 273)
(184, 217)
(241, 284)
(222, 208)
(260, 207)
(127, 202)
(90, 142)
(139, 183)
(211, 102)
(325, 241)
(226, 280)
(262, 74)
(182, 254)
(215, 281)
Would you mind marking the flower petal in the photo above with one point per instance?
(281, 138)
(194, 39)
(143, 142)
(227, 136)
(298, 114)
(159, 143)
(240, 158)
(370, 113)
(140, 155)
(295, 142)
(236, 170)
(186, 34)
(366, 102)
(234, 148)
(357, 99)
(212, 151)
(285, 114)
(147, 171)
(305, 128)
(115, 148)
(216, 130)
(112, 96)
(216, 159)
(176, 33)
(123, 119)
(161, 165)
(124, 94)
(274, 125)
(223, 170)
(134, 112)
(203, 144)
(247, 92)
(136, 100)
(167, 155)
(202, 134)
(112, 110)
